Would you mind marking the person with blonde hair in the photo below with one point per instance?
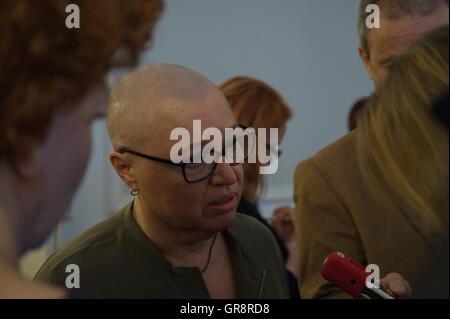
(335, 208)
(256, 104)
(402, 150)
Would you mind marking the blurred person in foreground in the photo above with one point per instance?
(258, 105)
(403, 153)
(335, 208)
(51, 89)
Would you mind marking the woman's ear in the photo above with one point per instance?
(364, 56)
(122, 165)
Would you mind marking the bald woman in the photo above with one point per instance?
(181, 236)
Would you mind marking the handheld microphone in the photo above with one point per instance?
(351, 277)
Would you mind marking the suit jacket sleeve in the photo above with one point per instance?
(323, 225)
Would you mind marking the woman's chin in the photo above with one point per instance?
(223, 221)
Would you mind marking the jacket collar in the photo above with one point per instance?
(249, 278)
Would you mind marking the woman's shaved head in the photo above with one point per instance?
(159, 91)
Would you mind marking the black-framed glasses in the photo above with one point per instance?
(197, 172)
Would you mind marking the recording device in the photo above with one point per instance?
(351, 277)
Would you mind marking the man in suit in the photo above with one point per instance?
(335, 209)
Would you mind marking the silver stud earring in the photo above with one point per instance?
(133, 192)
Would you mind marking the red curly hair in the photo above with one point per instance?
(46, 67)
(256, 104)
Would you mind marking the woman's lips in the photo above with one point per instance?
(225, 204)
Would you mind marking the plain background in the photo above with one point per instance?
(306, 49)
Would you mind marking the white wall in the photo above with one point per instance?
(306, 49)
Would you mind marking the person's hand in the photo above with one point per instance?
(398, 285)
(283, 222)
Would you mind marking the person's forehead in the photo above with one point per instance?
(213, 112)
(395, 36)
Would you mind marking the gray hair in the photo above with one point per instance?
(394, 9)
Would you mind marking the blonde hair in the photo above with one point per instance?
(402, 148)
(255, 104)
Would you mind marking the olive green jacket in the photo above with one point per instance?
(117, 260)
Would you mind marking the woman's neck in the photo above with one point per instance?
(186, 249)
